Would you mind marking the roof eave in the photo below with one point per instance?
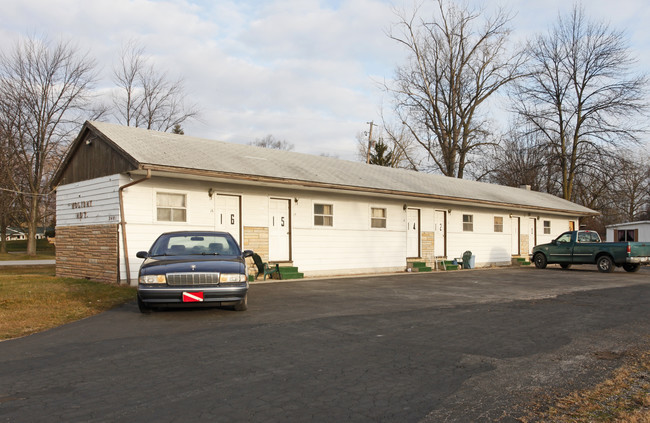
(322, 185)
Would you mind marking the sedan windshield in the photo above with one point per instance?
(205, 244)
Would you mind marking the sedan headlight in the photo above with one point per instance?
(232, 277)
(150, 279)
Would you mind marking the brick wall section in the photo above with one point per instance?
(523, 245)
(89, 252)
(256, 239)
(428, 241)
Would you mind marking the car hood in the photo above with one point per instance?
(186, 264)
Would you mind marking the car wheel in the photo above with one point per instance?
(242, 305)
(565, 265)
(143, 307)
(631, 267)
(605, 264)
(540, 261)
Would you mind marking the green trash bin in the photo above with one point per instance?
(467, 260)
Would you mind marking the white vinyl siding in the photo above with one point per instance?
(91, 202)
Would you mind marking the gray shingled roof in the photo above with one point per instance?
(183, 151)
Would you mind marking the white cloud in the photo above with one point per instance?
(301, 70)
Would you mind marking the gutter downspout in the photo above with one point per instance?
(123, 225)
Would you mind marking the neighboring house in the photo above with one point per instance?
(16, 234)
(629, 231)
(119, 187)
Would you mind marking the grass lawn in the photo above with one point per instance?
(44, 250)
(32, 299)
(624, 397)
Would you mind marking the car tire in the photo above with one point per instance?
(565, 266)
(632, 267)
(605, 264)
(242, 305)
(540, 261)
(143, 307)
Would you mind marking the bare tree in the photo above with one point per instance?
(148, 98)
(458, 60)
(270, 141)
(399, 147)
(44, 96)
(579, 94)
(518, 160)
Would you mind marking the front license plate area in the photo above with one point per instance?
(192, 297)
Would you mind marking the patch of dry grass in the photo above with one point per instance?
(623, 398)
(32, 299)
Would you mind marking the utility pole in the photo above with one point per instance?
(370, 142)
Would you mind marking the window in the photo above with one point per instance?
(323, 215)
(629, 235)
(547, 227)
(171, 207)
(498, 224)
(377, 218)
(468, 223)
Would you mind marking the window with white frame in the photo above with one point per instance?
(323, 215)
(468, 223)
(377, 217)
(171, 207)
(498, 223)
(547, 227)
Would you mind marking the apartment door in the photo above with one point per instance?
(412, 233)
(228, 215)
(440, 233)
(515, 247)
(532, 234)
(279, 229)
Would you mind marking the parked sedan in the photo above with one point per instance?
(193, 268)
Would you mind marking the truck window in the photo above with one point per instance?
(565, 237)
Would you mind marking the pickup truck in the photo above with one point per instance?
(585, 247)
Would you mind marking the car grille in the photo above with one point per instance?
(192, 279)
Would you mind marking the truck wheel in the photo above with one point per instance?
(565, 266)
(605, 264)
(540, 261)
(632, 267)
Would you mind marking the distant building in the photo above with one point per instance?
(629, 231)
(119, 187)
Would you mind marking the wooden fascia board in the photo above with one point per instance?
(83, 133)
(322, 185)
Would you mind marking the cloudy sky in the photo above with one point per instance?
(306, 71)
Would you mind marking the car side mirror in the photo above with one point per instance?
(142, 254)
(247, 253)
(554, 242)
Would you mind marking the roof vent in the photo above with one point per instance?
(526, 187)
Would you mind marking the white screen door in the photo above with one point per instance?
(515, 236)
(532, 234)
(440, 233)
(412, 233)
(227, 215)
(279, 230)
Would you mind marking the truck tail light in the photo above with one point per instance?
(629, 250)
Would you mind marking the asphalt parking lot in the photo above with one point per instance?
(457, 346)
